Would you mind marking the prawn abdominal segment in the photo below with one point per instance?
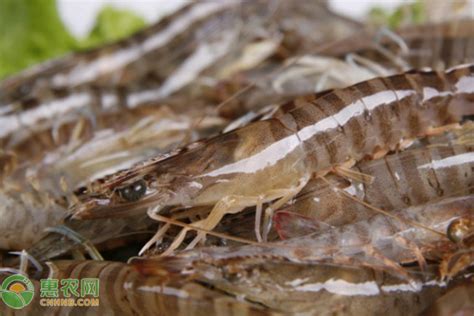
(272, 160)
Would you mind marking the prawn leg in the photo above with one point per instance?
(442, 129)
(287, 195)
(258, 219)
(228, 205)
(415, 249)
(234, 204)
(387, 264)
(156, 238)
(351, 174)
(456, 263)
(394, 58)
(71, 234)
(362, 62)
(25, 259)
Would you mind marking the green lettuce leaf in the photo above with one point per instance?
(411, 13)
(31, 31)
(113, 24)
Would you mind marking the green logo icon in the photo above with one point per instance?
(17, 291)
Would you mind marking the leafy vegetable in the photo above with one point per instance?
(412, 13)
(32, 31)
(113, 24)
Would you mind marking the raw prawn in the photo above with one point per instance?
(272, 160)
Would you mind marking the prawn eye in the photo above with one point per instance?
(459, 229)
(134, 191)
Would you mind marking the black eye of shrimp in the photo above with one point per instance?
(134, 191)
(460, 228)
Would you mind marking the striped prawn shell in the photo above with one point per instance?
(377, 115)
(126, 291)
(408, 178)
(437, 46)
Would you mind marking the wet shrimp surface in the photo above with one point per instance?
(269, 157)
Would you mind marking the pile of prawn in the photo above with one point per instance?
(223, 161)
